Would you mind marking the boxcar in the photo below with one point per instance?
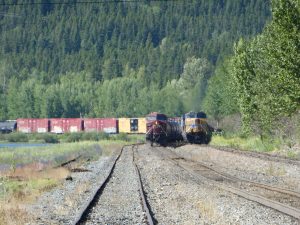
(107, 125)
(65, 125)
(33, 125)
(132, 125)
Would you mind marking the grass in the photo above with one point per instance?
(69, 137)
(250, 143)
(22, 185)
(52, 154)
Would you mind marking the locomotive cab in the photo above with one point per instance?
(156, 128)
(196, 127)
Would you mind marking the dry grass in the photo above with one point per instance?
(272, 170)
(207, 210)
(13, 215)
(23, 186)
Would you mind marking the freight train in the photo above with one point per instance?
(191, 127)
(161, 130)
(71, 125)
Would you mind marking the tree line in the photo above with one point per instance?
(116, 59)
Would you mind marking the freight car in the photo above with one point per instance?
(107, 125)
(195, 128)
(8, 126)
(132, 125)
(160, 130)
(67, 125)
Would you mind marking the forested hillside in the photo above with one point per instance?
(116, 58)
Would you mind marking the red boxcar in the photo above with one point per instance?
(32, 125)
(107, 125)
(65, 125)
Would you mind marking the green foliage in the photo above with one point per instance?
(249, 143)
(116, 59)
(266, 70)
(94, 136)
(17, 137)
(120, 137)
(220, 99)
(73, 137)
(50, 138)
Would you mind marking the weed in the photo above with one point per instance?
(271, 170)
(17, 137)
(207, 210)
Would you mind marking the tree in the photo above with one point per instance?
(266, 69)
(193, 82)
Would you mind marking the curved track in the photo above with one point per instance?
(282, 200)
(83, 215)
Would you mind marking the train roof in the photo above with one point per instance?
(4, 125)
(195, 115)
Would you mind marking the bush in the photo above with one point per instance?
(50, 138)
(121, 137)
(90, 136)
(17, 137)
(74, 137)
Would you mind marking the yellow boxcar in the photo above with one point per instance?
(142, 125)
(132, 125)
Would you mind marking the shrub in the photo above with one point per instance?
(17, 137)
(74, 137)
(50, 138)
(90, 136)
(121, 137)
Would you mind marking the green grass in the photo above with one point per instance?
(70, 137)
(250, 143)
(53, 154)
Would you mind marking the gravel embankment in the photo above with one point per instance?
(60, 205)
(244, 166)
(176, 197)
(120, 201)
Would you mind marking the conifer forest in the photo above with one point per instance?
(128, 58)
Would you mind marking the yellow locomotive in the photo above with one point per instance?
(195, 128)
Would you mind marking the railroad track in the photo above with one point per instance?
(86, 210)
(282, 200)
(259, 155)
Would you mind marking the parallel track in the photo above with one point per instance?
(83, 213)
(220, 178)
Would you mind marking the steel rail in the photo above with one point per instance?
(81, 216)
(268, 187)
(86, 207)
(283, 208)
(232, 178)
(146, 206)
(259, 155)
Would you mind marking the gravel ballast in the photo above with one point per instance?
(174, 195)
(178, 197)
(120, 201)
(61, 205)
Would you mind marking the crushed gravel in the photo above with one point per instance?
(120, 201)
(245, 166)
(175, 196)
(60, 205)
(178, 197)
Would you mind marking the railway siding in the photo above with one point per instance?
(172, 188)
(120, 202)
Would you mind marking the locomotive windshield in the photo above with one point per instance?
(157, 117)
